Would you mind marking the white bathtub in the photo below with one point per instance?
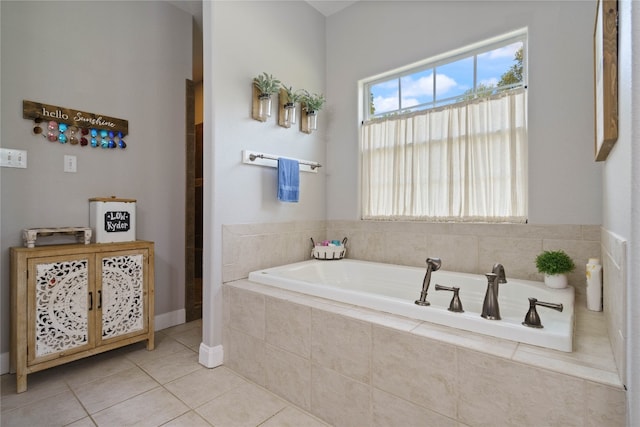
(394, 289)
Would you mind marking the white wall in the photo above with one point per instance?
(565, 185)
(242, 40)
(127, 60)
(621, 190)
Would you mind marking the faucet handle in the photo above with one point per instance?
(532, 319)
(455, 305)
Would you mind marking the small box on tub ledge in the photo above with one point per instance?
(112, 219)
(329, 250)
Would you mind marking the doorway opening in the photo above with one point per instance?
(193, 209)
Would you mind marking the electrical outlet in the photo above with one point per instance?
(10, 158)
(70, 164)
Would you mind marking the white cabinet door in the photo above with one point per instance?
(60, 303)
(122, 293)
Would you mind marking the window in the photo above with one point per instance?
(493, 67)
(447, 140)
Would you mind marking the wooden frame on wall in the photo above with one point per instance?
(605, 45)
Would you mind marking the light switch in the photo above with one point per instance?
(11, 158)
(70, 164)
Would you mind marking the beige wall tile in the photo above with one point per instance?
(420, 370)
(289, 376)
(458, 252)
(342, 344)
(614, 250)
(606, 406)
(405, 248)
(245, 355)
(516, 254)
(495, 391)
(247, 312)
(288, 326)
(338, 400)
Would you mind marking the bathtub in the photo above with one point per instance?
(394, 289)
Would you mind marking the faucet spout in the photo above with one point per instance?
(433, 264)
(490, 307)
(498, 269)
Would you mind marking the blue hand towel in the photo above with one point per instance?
(288, 180)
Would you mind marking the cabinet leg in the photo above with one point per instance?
(21, 383)
(150, 342)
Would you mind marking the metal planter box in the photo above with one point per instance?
(112, 219)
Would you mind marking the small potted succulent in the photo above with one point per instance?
(311, 104)
(266, 85)
(555, 265)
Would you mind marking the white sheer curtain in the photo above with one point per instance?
(463, 162)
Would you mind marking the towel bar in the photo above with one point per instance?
(264, 159)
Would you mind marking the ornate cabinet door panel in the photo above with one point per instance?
(122, 293)
(60, 299)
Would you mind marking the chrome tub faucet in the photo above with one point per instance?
(433, 264)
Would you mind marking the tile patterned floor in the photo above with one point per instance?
(135, 387)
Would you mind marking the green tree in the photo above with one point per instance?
(372, 108)
(514, 74)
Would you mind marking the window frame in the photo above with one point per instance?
(520, 35)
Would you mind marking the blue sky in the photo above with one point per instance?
(452, 79)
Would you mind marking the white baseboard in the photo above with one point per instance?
(167, 320)
(161, 321)
(4, 363)
(210, 357)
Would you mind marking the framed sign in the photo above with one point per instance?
(605, 45)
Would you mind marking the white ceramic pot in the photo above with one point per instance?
(556, 281)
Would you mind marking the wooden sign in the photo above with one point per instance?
(33, 110)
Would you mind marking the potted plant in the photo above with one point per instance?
(311, 104)
(555, 265)
(292, 98)
(266, 85)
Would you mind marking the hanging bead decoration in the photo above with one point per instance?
(37, 129)
(75, 127)
(104, 142)
(121, 142)
(62, 128)
(73, 139)
(52, 135)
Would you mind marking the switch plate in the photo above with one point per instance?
(10, 158)
(70, 164)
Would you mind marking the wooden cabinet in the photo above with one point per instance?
(74, 301)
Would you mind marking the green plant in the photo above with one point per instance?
(554, 262)
(312, 102)
(266, 84)
(293, 96)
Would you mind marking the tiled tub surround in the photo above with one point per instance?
(579, 388)
(353, 366)
(465, 248)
